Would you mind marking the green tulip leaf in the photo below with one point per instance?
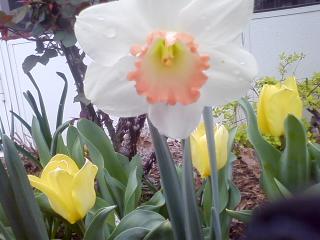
(38, 138)
(295, 165)
(283, 190)
(162, 232)
(243, 215)
(155, 203)
(133, 192)
(31, 217)
(136, 233)
(137, 219)
(93, 134)
(96, 230)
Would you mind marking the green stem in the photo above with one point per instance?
(82, 227)
(208, 121)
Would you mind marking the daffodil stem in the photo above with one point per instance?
(208, 121)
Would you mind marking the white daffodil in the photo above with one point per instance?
(167, 58)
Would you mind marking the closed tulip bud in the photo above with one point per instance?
(199, 149)
(274, 105)
(70, 190)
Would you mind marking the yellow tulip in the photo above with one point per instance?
(199, 149)
(70, 190)
(274, 105)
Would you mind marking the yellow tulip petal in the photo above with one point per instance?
(56, 202)
(291, 83)
(200, 131)
(281, 104)
(264, 100)
(221, 137)
(262, 121)
(200, 155)
(83, 192)
(72, 167)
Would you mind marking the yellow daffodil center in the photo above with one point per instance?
(169, 69)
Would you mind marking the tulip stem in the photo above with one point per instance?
(215, 220)
(82, 227)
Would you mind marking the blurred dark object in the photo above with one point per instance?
(293, 219)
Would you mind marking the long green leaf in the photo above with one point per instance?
(47, 132)
(192, 219)
(30, 213)
(9, 204)
(40, 142)
(96, 228)
(295, 166)
(23, 122)
(32, 102)
(170, 183)
(60, 129)
(62, 100)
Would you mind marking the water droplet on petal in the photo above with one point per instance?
(242, 63)
(111, 33)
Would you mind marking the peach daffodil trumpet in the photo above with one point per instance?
(274, 105)
(167, 58)
(70, 190)
(199, 149)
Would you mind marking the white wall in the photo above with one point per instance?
(291, 30)
(14, 82)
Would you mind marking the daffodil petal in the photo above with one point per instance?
(216, 21)
(83, 192)
(229, 77)
(56, 202)
(161, 14)
(175, 121)
(114, 26)
(111, 91)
